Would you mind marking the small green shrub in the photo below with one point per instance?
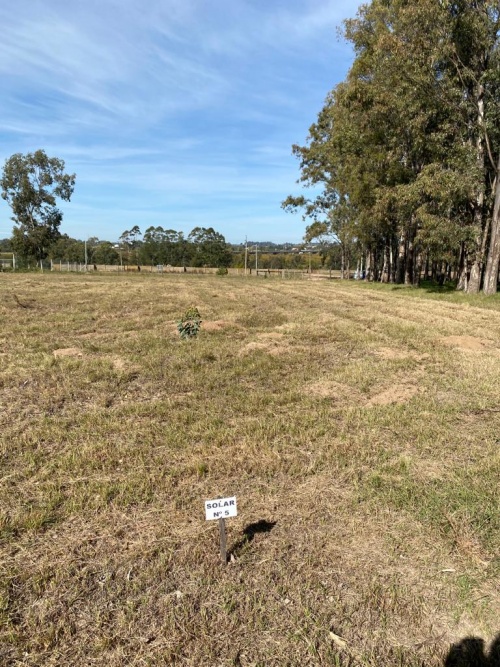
(222, 271)
(190, 324)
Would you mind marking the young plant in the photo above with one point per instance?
(190, 324)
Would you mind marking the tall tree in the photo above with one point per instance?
(105, 253)
(31, 184)
(210, 248)
(406, 145)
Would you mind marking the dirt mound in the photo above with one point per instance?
(217, 325)
(67, 352)
(118, 363)
(329, 389)
(390, 353)
(466, 342)
(269, 347)
(399, 393)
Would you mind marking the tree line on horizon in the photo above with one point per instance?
(202, 247)
(31, 185)
(406, 150)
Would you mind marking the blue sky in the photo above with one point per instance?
(178, 113)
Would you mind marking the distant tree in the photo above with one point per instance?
(105, 253)
(164, 246)
(151, 246)
(125, 240)
(92, 244)
(66, 249)
(31, 185)
(134, 235)
(209, 248)
(6, 245)
(130, 238)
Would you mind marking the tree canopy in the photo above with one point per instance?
(31, 185)
(406, 150)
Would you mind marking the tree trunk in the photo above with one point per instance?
(400, 268)
(373, 266)
(368, 266)
(434, 271)
(409, 262)
(384, 278)
(427, 266)
(442, 274)
(462, 269)
(491, 275)
(474, 282)
(417, 272)
(377, 266)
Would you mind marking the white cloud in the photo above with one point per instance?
(162, 104)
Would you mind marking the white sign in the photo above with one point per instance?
(221, 508)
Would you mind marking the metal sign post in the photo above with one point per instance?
(221, 509)
(223, 547)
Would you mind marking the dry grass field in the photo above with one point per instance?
(358, 426)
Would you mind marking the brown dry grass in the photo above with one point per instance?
(352, 421)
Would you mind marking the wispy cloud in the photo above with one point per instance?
(184, 107)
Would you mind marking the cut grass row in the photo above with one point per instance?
(362, 423)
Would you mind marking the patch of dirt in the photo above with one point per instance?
(399, 393)
(390, 353)
(269, 347)
(218, 325)
(431, 469)
(118, 363)
(272, 335)
(67, 352)
(180, 397)
(330, 389)
(288, 326)
(466, 342)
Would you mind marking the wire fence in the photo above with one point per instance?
(314, 274)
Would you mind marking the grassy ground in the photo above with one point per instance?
(358, 428)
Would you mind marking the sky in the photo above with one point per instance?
(179, 113)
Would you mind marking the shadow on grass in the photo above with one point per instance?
(470, 652)
(435, 288)
(249, 532)
(430, 287)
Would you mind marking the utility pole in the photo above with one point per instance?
(256, 258)
(86, 255)
(246, 255)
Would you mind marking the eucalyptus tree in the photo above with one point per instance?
(105, 253)
(152, 241)
(474, 64)
(67, 249)
(367, 147)
(209, 248)
(130, 238)
(407, 143)
(31, 185)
